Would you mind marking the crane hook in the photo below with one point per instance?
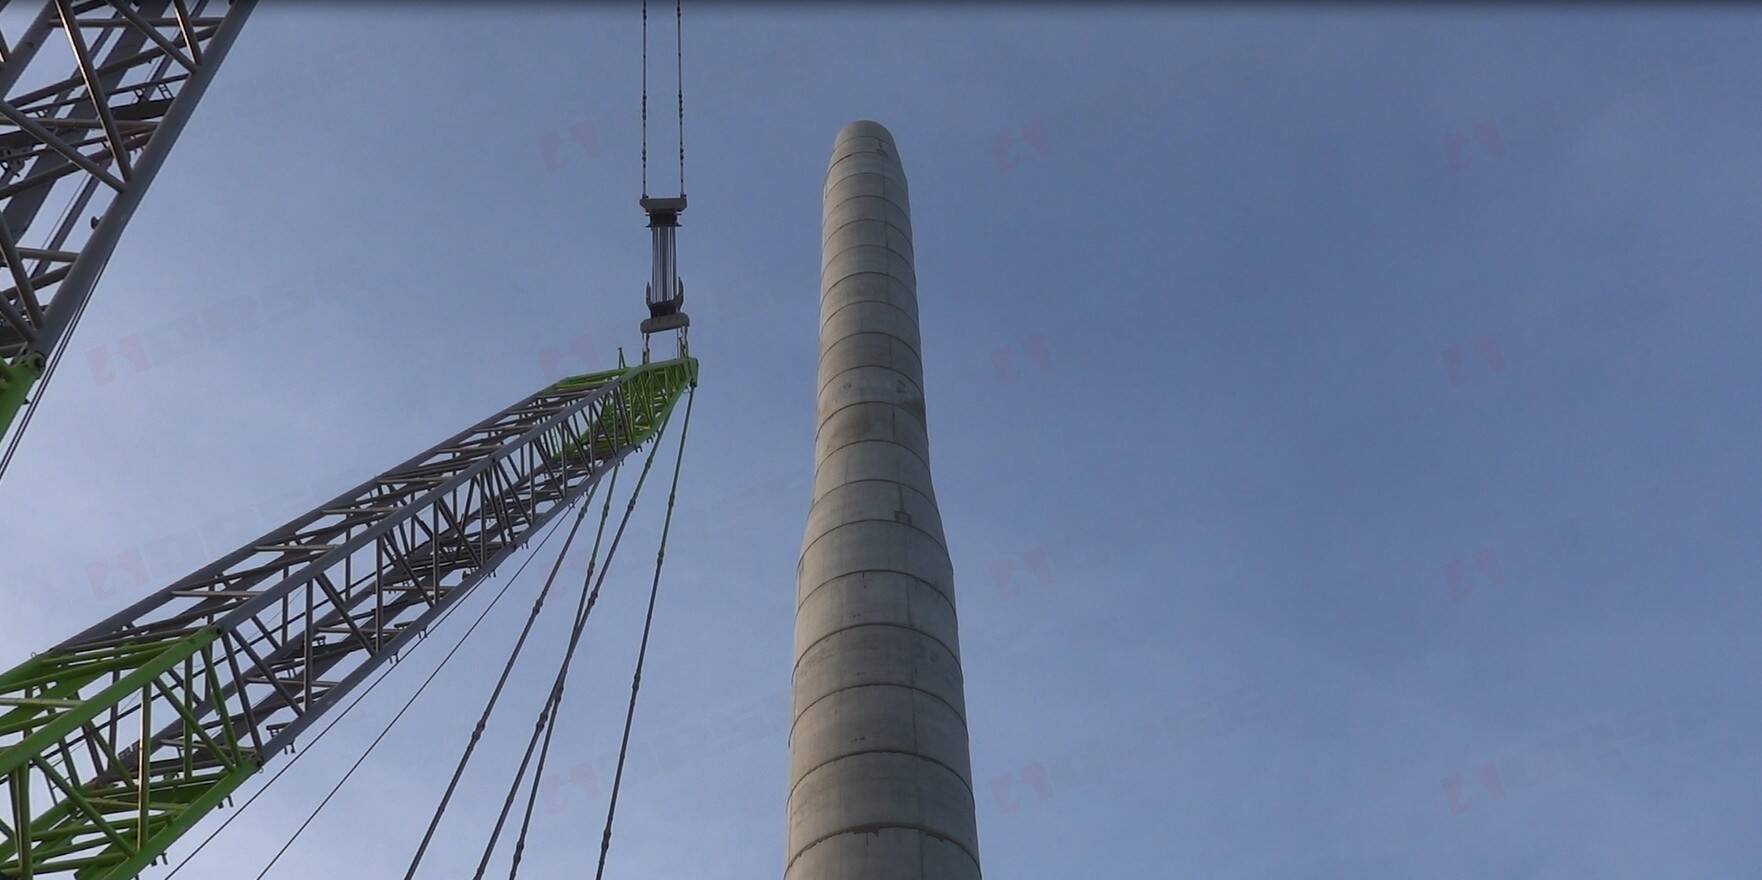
(665, 294)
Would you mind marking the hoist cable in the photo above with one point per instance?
(553, 699)
(679, 63)
(645, 98)
(679, 74)
(501, 682)
(368, 690)
(647, 625)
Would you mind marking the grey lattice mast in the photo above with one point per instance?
(95, 94)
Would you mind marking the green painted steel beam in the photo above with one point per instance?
(649, 391)
(16, 380)
(102, 827)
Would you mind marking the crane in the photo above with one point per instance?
(118, 740)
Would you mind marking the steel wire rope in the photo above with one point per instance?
(544, 753)
(642, 651)
(561, 554)
(553, 700)
(546, 718)
(502, 681)
(532, 797)
(369, 689)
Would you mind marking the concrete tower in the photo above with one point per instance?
(880, 787)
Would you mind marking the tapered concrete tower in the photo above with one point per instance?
(880, 784)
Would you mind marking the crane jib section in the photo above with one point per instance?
(118, 740)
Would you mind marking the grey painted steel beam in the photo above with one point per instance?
(880, 780)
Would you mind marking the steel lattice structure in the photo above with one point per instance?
(119, 739)
(83, 131)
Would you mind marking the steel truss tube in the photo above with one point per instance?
(119, 739)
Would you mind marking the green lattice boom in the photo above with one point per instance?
(82, 795)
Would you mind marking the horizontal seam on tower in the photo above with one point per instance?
(824, 349)
(910, 283)
(796, 667)
(887, 161)
(830, 184)
(832, 208)
(871, 684)
(842, 446)
(826, 288)
(882, 220)
(858, 148)
(814, 502)
(904, 375)
(885, 140)
(839, 155)
(857, 302)
(839, 152)
(933, 588)
(887, 221)
(826, 262)
(921, 420)
(810, 771)
(872, 827)
(888, 298)
(858, 522)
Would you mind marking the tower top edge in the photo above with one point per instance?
(863, 128)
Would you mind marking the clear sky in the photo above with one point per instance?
(1344, 419)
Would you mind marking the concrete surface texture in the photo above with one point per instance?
(880, 783)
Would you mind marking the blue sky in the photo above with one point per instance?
(1343, 419)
